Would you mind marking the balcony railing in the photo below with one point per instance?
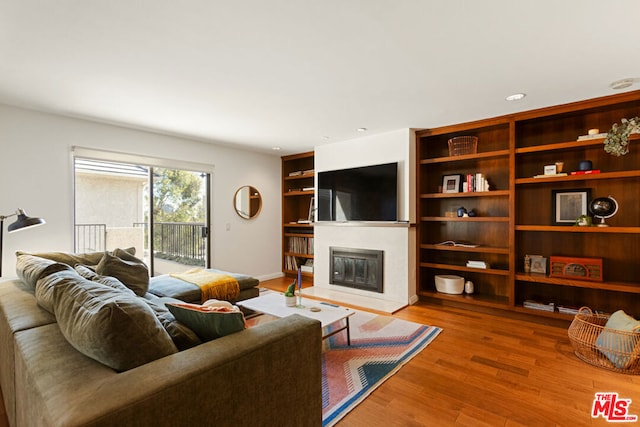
(178, 241)
(90, 237)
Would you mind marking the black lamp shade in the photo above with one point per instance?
(24, 221)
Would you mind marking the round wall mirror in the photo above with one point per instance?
(247, 202)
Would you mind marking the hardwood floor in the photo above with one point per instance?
(485, 370)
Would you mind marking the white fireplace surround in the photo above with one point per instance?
(396, 240)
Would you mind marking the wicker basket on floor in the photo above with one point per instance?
(615, 350)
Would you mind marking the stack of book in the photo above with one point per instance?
(539, 305)
(477, 264)
(475, 182)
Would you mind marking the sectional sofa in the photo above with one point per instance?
(55, 372)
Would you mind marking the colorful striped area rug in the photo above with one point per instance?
(380, 346)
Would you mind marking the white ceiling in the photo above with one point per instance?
(299, 73)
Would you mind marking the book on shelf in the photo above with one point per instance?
(592, 136)
(535, 305)
(478, 264)
(567, 309)
(300, 245)
(589, 172)
(295, 173)
(308, 188)
(551, 175)
(290, 263)
(454, 243)
(308, 172)
(475, 182)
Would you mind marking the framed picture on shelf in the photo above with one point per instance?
(538, 264)
(452, 183)
(568, 205)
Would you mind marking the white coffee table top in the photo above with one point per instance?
(273, 303)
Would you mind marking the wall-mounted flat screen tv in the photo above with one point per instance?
(368, 193)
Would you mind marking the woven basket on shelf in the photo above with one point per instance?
(463, 145)
(607, 348)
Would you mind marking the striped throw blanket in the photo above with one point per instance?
(213, 285)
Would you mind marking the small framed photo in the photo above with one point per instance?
(452, 183)
(568, 205)
(538, 264)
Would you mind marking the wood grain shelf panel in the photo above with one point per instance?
(479, 249)
(586, 177)
(576, 229)
(497, 193)
(464, 219)
(475, 156)
(629, 287)
(475, 299)
(491, 271)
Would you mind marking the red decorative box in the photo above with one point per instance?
(576, 268)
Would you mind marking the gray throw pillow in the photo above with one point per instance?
(30, 268)
(112, 282)
(116, 329)
(128, 269)
(46, 285)
(71, 259)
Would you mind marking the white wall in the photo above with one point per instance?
(397, 242)
(36, 175)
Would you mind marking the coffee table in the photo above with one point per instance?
(273, 304)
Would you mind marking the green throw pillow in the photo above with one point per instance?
(183, 337)
(207, 323)
(128, 269)
(620, 347)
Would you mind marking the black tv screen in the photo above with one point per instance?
(368, 193)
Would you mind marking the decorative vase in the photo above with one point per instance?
(290, 301)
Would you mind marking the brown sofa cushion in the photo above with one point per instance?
(31, 268)
(118, 330)
(127, 268)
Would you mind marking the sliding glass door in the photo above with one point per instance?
(161, 212)
(179, 219)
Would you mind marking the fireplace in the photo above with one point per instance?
(356, 268)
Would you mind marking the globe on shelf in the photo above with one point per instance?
(602, 208)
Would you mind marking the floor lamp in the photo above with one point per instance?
(22, 222)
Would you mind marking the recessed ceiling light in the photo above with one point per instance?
(515, 97)
(361, 129)
(275, 148)
(622, 84)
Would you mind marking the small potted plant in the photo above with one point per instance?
(290, 295)
(617, 141)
